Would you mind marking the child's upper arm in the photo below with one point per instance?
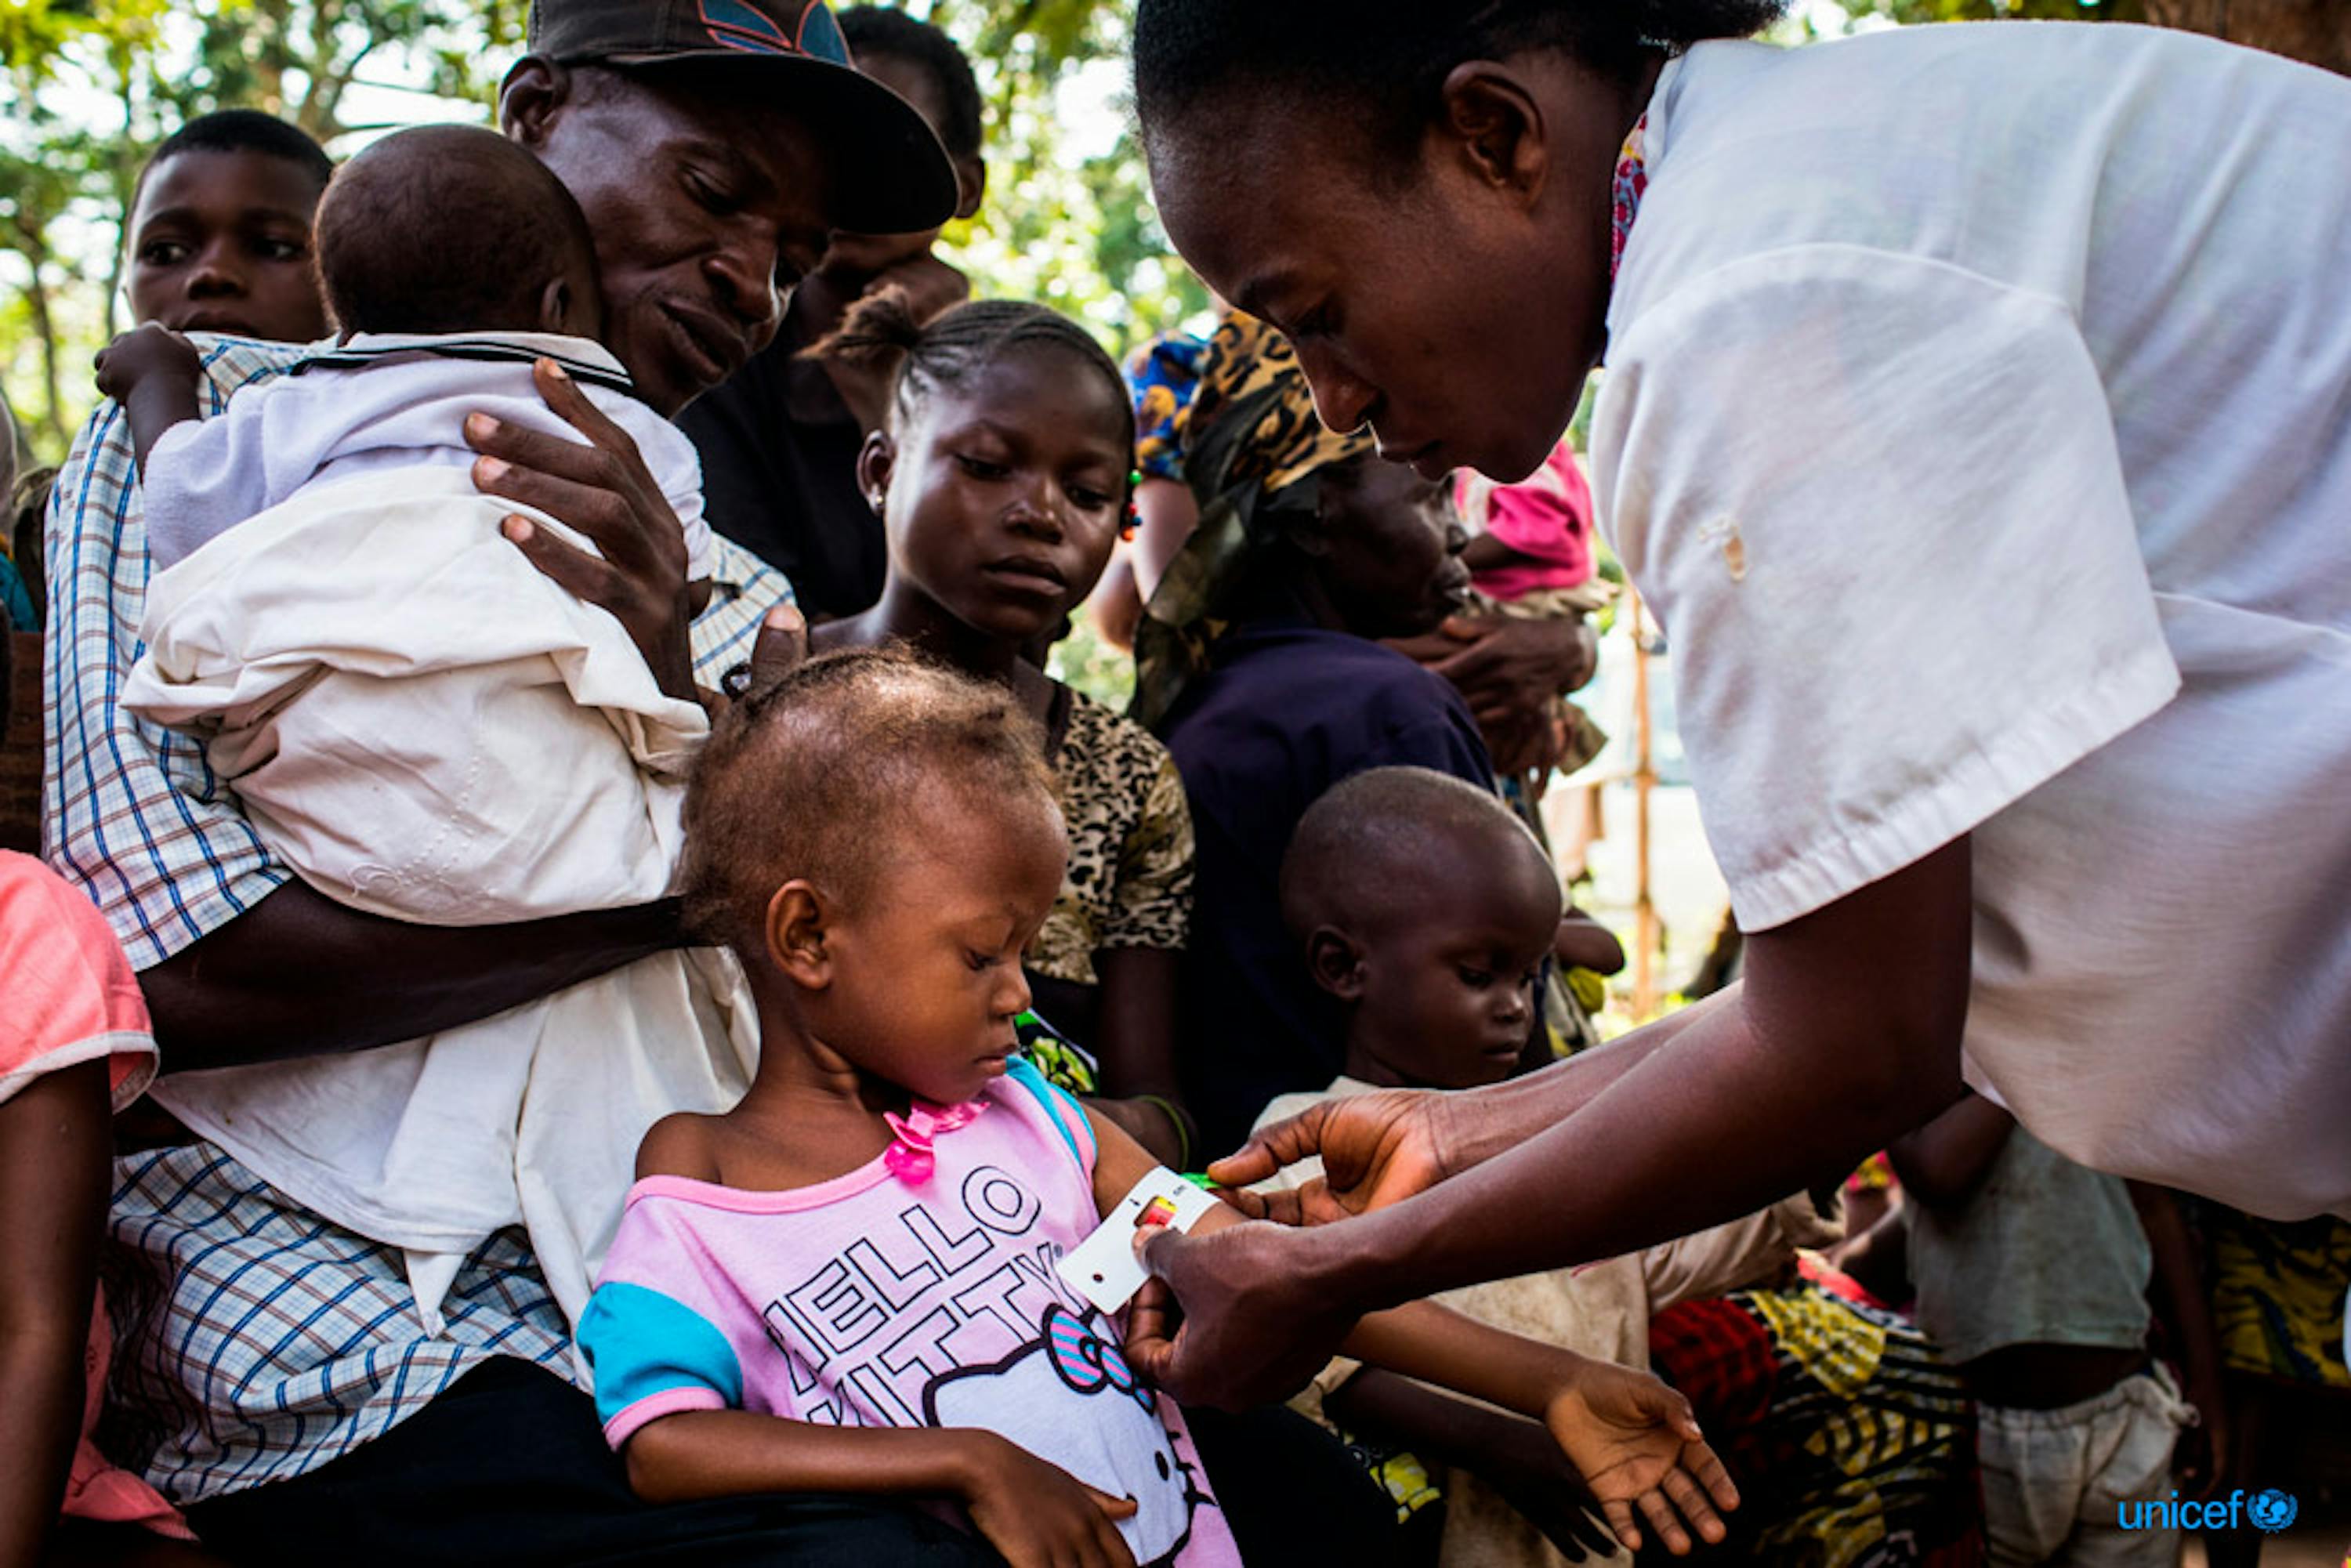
(56, 1140)
(653, 1355)
(1119, 1161)
(1123, 1162)
(654, 1332)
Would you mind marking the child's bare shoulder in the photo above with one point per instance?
(680, 1145)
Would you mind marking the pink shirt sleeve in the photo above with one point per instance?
(72, 997)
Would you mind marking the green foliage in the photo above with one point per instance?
(97, 83)
(1065, 223)
(1877, 12)
(1084, 661)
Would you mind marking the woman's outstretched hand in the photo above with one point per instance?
(603, 490)
(1376, 1149)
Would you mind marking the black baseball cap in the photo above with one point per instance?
(891, 175)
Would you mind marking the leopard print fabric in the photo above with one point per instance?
(1130, 879)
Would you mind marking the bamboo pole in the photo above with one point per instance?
(1644, 909)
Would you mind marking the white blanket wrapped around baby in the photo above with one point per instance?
(425, 726)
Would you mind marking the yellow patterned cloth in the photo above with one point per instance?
(1853, 1445)
(1875, 1174)
(1254, 414)
(2277, 1294)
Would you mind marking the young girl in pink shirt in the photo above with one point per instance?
(75, 1046)
(847, 1282)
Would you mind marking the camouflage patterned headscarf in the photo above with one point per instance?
(1252, 452)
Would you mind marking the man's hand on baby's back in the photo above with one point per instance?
(144, 355)
(604, 491)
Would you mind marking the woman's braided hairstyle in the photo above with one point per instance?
(959, 342)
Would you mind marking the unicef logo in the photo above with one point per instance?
(2272, 1511)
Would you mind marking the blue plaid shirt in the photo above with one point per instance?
(274, 1342)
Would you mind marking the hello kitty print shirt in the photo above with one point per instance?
(916, 1290)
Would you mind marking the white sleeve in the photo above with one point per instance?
(203, 477)
(676, 466)
(1877, 503)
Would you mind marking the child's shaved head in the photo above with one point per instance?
(453, 229)
(828, 774)
(1363, 850)
(1426, 912)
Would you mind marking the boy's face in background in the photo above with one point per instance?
(1448, 986)
(220, 242)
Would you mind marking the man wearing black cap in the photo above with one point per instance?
(780, 442)
(272, 1375)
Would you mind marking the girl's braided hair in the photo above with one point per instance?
(959, 342)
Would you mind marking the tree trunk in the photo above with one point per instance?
(122, 175)
(2316, 32)
(272, 32)
(315, 113)
(53, 414)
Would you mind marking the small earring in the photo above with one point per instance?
(874, 502)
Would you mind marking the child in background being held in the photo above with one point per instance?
(846, 1282)
(1530, 542)
(423, 724)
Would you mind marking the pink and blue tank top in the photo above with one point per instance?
(916, 1290)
